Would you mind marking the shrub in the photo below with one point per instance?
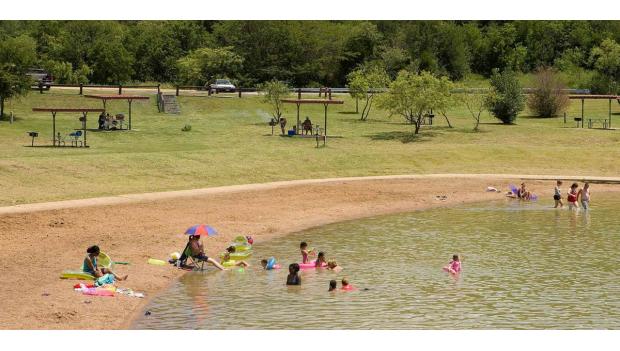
(506, 99)
(548, 98)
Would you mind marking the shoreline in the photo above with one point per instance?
(138, 226)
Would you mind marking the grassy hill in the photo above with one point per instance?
(231, 143)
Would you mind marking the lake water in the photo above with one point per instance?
(525, 266)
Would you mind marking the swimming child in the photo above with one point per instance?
(585, 196)
(572, 197)
(333, 265)
(320, 260)
(346, 286)
(90, 264)
(293, 277)
(557, 195)
(226, 259)
(269, 264)
(454, 267)
(333, 285)
(303, 247)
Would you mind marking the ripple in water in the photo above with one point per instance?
(525, 266)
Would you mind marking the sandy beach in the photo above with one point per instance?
(41, 240)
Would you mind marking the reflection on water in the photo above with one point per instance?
(525, 266)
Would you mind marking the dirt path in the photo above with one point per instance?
(40, 240)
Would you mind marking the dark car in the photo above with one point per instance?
(40, 77)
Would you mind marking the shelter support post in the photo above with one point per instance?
(54, 129)
(609, 114)
(129, 101)
(297, 128)
(83, 128)
(582, 113)
(325, 121)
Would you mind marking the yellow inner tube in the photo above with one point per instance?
(229, 263)
(238, 255)
(241, 247)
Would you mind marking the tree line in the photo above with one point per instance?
(313, 53)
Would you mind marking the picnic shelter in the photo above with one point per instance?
(54, 111)
(128, 98)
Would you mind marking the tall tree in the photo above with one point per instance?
(16, 56)
(506, 99)
(365, 82)
(412, 95)
(205, 64)
(606, 61)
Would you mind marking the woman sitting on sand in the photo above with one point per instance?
(90, 264)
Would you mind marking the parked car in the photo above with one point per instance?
(40, 76)
(222, 85)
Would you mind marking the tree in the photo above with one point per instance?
(549, 97)
(606, 60)
(64, 73)
(365, 82)
(411, 95)
(205, 64)
(274, 91)
(475, 104)
(506, 99)
(16, 56)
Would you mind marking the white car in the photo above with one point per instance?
(222, 85)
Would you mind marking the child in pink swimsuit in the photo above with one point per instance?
(454, 266)
(303, 248)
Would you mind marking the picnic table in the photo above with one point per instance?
(603, 121)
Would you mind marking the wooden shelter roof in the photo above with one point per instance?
(313, 101)
(587, 97)
(117, 97)
(63, 109)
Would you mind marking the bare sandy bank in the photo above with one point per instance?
(40, 240)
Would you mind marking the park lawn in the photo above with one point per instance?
(231, 143)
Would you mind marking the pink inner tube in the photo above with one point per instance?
(348, 288)
(311, 265)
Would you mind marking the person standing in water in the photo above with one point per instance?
(584, 195)
(572, 197)
(293, 277)
(557, 195)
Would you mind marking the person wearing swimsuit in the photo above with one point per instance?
(584, 194)
(557, 195)
(572, 197)
(293, 277)
(90, 264)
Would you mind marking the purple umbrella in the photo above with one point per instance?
(201, 229)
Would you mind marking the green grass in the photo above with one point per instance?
(231, 143)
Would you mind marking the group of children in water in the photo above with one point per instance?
(575, 195)
(294, 278)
